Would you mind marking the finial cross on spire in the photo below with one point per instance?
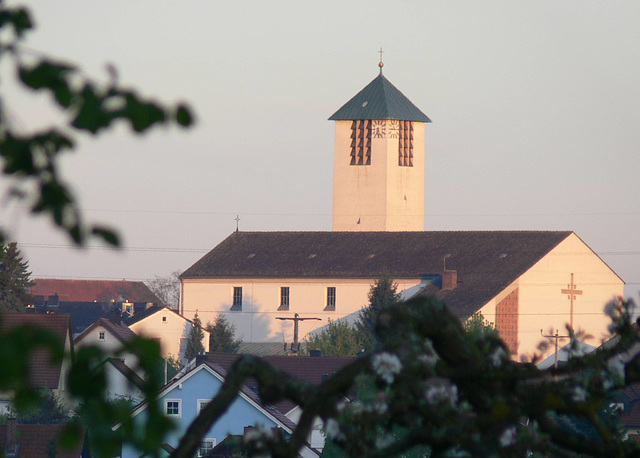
(381, 64)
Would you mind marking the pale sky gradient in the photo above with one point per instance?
(535, 109)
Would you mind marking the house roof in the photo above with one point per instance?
(43, 373)
(486, 261)
(35, 441)
(85, 313)
(94, 290)
(139, 316)
(303, 368)
(380, 100)
(119, 330)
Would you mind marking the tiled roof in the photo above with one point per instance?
(94, 290)
(85, 313)
(261, 349)
(138, 316)
(486, 261)
(303, 368)
(43, 373)
(35, 441)
(119, 330)
(380, 100)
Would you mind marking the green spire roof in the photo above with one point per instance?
(380, 100)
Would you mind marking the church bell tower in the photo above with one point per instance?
(378, 179)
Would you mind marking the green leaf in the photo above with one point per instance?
(142, 115)
(91, 116)
(109, 236)
(45, 74)
(183, 116)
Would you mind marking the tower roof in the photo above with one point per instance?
(380, 100)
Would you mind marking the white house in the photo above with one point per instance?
(170, 328)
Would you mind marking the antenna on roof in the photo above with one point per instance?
(237, 221)
(381, 64)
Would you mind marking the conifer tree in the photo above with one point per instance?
(15, 279)
(222, 338)
(383, 294)
(194, 341)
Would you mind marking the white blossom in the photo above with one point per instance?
(497, 357)
(441, 393)
(332, 429)
(383, 441)
(428, 360)
(508, 437)
(386, 365)
(579, 394)
(617, 370)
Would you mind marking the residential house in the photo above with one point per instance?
(44, 373)
(167, 326)
(120, 364)
(183, 398)
(309, 369)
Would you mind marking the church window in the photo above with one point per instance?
(237, 298)
(405, 144)
(331, 299)
(284, 298)
(361, 142)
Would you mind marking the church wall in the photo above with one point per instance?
(542, 305)
(405, 185)
(546, 307)
(257, 322)
(358, 190)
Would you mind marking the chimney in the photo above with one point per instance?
(449, 279)
(12, 443)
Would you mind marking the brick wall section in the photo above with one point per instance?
(507, 320)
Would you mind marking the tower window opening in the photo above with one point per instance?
(405, 144)
(360, 142)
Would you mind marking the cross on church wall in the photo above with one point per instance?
(571, 293)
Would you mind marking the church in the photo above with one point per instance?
(522, 281)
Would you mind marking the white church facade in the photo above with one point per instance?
(523, 281)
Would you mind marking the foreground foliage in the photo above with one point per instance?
(432, 384)
(85, 107)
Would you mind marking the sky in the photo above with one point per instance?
(535, 109)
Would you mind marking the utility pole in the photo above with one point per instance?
(295, 347)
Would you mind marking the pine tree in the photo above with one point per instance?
(15, 280)
(383, 294)
(194, 341)
(222, 338)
